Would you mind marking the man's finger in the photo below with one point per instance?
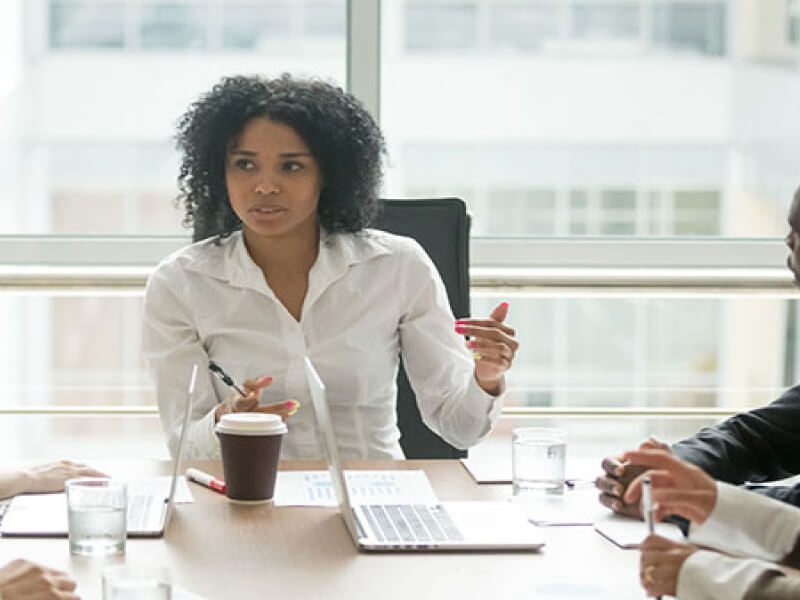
(662, 479)
(653, 443)
(608, 501)
(655, 458)
(655, 543)
(613, 466)
(609, 485)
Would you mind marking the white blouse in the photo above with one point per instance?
(371, 297)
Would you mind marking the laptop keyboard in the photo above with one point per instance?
(411, 523)
(139, 507)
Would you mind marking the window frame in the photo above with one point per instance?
(544, 265)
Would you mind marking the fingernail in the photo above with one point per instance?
(472, 344)
(265, 379)
(504, 304)
(291, 404)
(460, 329)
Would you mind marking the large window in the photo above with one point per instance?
(611, 120)
(659, 133)
(565, 26)
(93, 89)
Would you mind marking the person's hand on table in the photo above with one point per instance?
(679, 488)
(50, 477)
(25, 580)
(250, 403)
(660, 562)
(493, 345)
(618, 475)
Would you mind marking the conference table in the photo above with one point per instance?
(220, 550)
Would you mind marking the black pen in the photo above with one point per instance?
(290, 405)
(225, 378)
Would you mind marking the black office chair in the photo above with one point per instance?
(441, 226)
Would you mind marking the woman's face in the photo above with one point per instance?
(273, 181)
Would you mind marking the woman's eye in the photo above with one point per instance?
(244, 164)
(292, 165)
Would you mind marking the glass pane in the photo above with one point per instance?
(71, 349)
(641, 351)
(250, 26)
(166, 25)
(430, 27)
(593, 98)
(793, 21)
(92, 89)
(86, 24)
(520, 27)
(693, 26)
(611, 20)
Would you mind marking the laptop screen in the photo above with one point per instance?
(176, 467)
(317, 389)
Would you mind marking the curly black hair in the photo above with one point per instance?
(339, 132)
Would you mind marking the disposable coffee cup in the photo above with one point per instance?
(251, 446)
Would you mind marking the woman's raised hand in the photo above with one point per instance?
(493, 346)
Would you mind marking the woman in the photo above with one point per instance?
(280, 181)
(23, 579)
(763, 535)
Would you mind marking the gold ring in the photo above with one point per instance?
(648, 574)
(477, 355)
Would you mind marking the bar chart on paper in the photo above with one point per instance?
(314, 488)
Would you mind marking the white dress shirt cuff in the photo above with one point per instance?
(202, 442)
(770, 530)
(707, 575)
(483, 403)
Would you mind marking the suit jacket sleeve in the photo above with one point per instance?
(759, 445)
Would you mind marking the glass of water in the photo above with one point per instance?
(96, 510)
(137, 583)
(538, 456)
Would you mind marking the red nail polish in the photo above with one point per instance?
(460, 329)
(472, 344)
(504, 304)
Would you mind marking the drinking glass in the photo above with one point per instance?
(96, 511)
(538, 456)
(126, 582)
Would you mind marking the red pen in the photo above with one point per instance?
(205, 479)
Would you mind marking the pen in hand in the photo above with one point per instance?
(290, 406)
(225, 378)
(647, 508)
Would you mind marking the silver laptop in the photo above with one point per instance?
(419, 527)
(148, 515)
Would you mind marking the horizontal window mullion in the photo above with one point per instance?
(516, 411)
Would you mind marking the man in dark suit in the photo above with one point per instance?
(760, 445)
